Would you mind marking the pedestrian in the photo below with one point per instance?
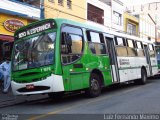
(5, 69)
(1, 80)
(1, 75)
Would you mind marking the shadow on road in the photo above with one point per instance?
(77, 97)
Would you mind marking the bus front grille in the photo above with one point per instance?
(36, 88)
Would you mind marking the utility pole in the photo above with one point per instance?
(155, 23)
(41, 9)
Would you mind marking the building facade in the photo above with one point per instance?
(11, 19)
(131, 24)
(108, 13)
(98, 13)
(117, 15)
(148, 20)
(69, 9)
(147, 27)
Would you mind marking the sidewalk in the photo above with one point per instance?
(9, 98)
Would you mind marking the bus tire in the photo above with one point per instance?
(143, 76)
(143, 79)
(94, 87)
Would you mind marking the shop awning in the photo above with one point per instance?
(6, 38)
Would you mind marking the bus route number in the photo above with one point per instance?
(46, 69)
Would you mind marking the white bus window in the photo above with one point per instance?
(131, 50)
(130, 43)
(120, 41)
(95, 37)
(121, 51)
(140, 53)
(151, 51)
(139, 45)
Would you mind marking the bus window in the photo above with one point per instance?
(151, 50)
(120, 41)
(140, 51)
(34, 52)
(73, 30)
(131, 50)
(121, 51)
(71, 46)
(120, 47)
(130, 43)
(96, 43)
(139, 45)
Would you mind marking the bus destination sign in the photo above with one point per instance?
(35, 30)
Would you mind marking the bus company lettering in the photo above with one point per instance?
(35, 30)
(39, 29)
(124, 61)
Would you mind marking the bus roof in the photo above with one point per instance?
(103, 29)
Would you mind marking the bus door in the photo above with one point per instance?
(146, 49)
(72, 67)
(113, 59)
(158, 55)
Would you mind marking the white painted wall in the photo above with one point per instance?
(147, 27)
(119, 9)
(30, 11)
(107, 13)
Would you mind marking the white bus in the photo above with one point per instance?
(132, 57)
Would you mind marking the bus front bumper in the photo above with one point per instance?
(53, 83)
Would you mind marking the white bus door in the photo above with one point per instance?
(113, 59)
(146, 49)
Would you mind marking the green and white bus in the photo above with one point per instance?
(56, 56)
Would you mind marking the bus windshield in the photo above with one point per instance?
(34, 52)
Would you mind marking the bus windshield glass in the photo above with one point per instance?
(34, 52)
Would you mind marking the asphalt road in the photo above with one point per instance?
(116, 102)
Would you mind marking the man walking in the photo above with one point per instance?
(5, 69)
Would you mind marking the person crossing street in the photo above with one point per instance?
(5, 70)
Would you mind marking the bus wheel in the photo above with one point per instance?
(143, 76)
(143, 79)
(94, 89)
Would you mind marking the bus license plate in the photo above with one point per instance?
(31, 86)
